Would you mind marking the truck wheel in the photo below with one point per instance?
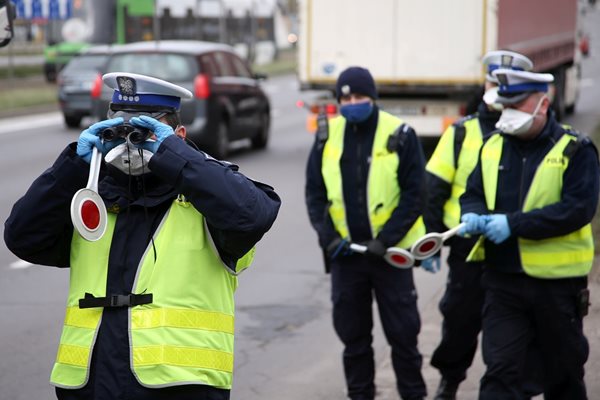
(570, 109)
(559, 94)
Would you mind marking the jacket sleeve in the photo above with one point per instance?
(411, 179)
(238, 210)
(316, 199)
(578, 204)
(39, 228)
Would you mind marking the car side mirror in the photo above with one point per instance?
(6, 18)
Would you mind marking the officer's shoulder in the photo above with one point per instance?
(461, 121)
(580, 137)
(580, 140)
(406, 129)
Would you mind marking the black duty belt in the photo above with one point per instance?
(115, 300)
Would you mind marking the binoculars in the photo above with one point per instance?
(135, 135)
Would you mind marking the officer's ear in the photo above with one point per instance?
(545, 104)
(181, 132)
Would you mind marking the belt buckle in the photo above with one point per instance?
(120, 300)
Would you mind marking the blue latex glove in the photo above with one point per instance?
(161, 131)
(432, 264)
(91, 137)
(475, 224)
(497, 229)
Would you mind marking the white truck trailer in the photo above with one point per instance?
(426, 55)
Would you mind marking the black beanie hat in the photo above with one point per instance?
(355, 80)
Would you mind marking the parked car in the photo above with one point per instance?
(228, 102)
(75, 83)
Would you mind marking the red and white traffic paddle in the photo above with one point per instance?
(88, 212)
(395, 256)
(429, 244)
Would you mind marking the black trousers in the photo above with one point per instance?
(356, 279)
(461, 307)
(184, 392)
(520, 310)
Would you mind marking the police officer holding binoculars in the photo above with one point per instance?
(180, 227)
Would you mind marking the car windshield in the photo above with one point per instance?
(86, 62)
(170, 67)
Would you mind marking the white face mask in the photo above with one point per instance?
(515, 122)
(127, 159)
(490, 97)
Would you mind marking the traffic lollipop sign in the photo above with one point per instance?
(430, 244)
(88, 212)
(395, 256)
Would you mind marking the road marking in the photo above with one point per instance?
(18, 124)
(20, 264)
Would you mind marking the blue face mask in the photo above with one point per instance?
(358, 112)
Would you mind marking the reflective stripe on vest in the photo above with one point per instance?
(442, 165)
(564, 256)
(383, 191)
(185, 336)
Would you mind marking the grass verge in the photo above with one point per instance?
(286, 63)
(17, 96)
(22, 71)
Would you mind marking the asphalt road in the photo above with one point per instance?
(285, 346)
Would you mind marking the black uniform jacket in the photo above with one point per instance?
(238, 212)
(520, 160)
(354, 165)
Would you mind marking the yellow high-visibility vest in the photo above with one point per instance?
(185, 336)
(383, 191)
(570, 255)
(442, 164)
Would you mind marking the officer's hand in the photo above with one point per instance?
(497, 229)
(160, 130)
(337, 247)
(475, 224)
(432, 264)
(91, 137)
(376, 248)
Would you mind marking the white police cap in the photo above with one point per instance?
(505, 59)
(514, 86)
(144, 92)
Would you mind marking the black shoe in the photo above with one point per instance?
(446, 390)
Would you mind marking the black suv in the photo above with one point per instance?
(228, 102)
